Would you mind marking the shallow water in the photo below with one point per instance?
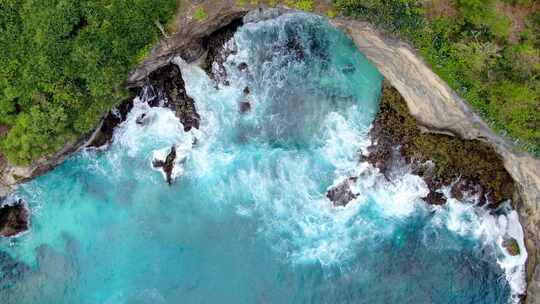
(247, 220)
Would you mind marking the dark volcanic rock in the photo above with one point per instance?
(218, 53)
(167, 165)
(475, 166)
(295, 48)
(116, 116)
(141, 120)
(13, 219)
(243, 66)
(168, 81)
(435, 198)
(342, 194)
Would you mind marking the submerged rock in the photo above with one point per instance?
(341, 194)
(168, 82)
(168, 165)
(245, 106)
(13, 219)
(476, 167)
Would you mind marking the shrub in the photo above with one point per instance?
(200, 14)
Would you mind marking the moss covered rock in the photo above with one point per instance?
(470, 166)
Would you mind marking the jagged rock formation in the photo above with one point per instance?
(168, 81)
(440, 110)
(341, 194)
(471, 166)
(13, 219)
(103, 134)
(167, 165)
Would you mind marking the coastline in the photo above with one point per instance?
(435, 106)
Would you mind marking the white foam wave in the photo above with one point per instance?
(491, 230)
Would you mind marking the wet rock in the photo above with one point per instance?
(435, 198)
(512, 246)
(116, 116)
(398, 139)
(168, 83)
(341, 194)
(245, 106)
(13, 219)
(216, 44)
(142, 119)
(168, 165)
(243, 66)
(294, 46)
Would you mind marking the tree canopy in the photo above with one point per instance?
(487, 50)
(62, 64)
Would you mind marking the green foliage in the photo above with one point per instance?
(394, 15)
(200, 14)
(482, 14)
(62, 63)
(306, 5)
(469, 51)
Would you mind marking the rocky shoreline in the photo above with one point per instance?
(469, 167)
(436, 120)
(439, 110)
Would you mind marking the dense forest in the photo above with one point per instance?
(62, 63)
(487, 50)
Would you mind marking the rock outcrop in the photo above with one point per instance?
(471, 167)
(168, 82)
(193, 40)
(167, 165)
(342, 194)
(14, 219)
(438, 109)
(104, 132)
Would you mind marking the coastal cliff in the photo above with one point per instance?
(430, 101)
(438, 109)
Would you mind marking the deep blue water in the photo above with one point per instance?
(247, 220)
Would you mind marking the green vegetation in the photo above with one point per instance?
(452, 157)
(62, 64)
(306, 5)
(200, 14)
(477, 48)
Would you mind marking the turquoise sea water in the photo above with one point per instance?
(247, 220)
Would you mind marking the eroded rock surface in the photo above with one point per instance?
(439, 109)
(218, 50)
(168, 82)
(13, 219)
(103, 135)
(167, 165)
(471, 167)
(342, 194)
